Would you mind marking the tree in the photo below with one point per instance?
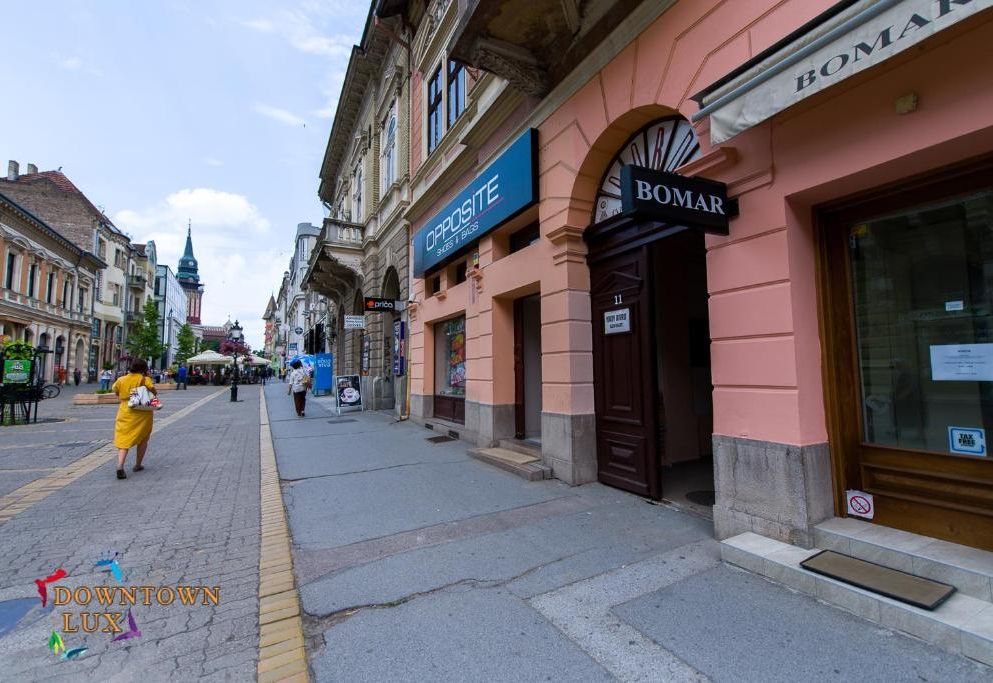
(210, 345)
(185, 342)
(144, 342)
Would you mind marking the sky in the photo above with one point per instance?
(167, 111)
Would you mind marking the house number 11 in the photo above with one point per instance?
(618, 299)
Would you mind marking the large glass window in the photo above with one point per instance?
(450, 357)
(8, 278)
(389, 151)
(434, 110)
(456, 91)
(922, 282)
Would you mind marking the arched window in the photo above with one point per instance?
(389, 151)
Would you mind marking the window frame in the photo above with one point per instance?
(455, 77)
(435, 102)
(10, 275)
(32, 273)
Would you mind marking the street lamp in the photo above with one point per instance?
(234, 334)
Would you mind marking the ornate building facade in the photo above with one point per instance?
(188, 276)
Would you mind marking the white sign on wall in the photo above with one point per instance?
(354, 322)
(617, 321)
(962, 362)
(860, 504)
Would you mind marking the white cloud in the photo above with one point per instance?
(260, 25)
(71, 63)
(74, 63)
(298, 29)
(238, 273)
(277, 114)
(212, 161)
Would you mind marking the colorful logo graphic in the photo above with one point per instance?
(43, 584)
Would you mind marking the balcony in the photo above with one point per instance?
(131, 316)
(137, 281)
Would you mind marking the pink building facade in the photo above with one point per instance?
(808, 352)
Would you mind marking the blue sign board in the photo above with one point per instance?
(507, 186)
(966, 440)
(323, 381)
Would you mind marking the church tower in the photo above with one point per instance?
(189, 280)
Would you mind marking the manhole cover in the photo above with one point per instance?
(701, 497)
(440, 439)
(341, 420)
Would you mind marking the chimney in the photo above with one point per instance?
(12, 169)
(32, 169)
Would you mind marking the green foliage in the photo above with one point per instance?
(17, 350)
(211, 344)
(185, 341)
(143, 341)
(109, 365)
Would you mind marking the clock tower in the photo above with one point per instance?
(189, 279)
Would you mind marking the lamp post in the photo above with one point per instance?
(234, 334)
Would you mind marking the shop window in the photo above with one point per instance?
(456, 91)
(524, 237)
(922, 287)
(434, 285)
(450, 357)
(434, 110)
(460, 271)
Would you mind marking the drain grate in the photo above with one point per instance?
(439, 439)
(702, 497)
(341, 420)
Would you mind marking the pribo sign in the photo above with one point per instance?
(676, 199)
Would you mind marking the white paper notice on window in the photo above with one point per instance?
(962, 362)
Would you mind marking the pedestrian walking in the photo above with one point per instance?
(181, 377)
(264, 374)
(105, 378)
(299, 381)
(132, 427)
(76, 376)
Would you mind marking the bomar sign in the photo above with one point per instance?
(676, 199)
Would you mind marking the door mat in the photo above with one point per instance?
(873, 577)
(440, 439)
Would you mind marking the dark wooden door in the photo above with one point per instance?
(625, 377)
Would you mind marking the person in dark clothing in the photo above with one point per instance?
(76, 376)
(181, 377)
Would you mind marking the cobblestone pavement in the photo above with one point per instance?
(416, 562)
(191, 518)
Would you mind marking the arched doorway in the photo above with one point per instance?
(391, 340)
(359, 339)
(80, 359)
(648, 290)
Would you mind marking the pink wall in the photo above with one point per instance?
(765, 351)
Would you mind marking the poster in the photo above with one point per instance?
(455, 330)
(366, 348)
(399, 348)
(322, 373)
(349, 391)
(16, 371)
(962, 362)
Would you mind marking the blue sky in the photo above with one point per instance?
(165, 110)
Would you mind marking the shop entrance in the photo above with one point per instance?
(908, 348)
(651, 360)
(527, 368)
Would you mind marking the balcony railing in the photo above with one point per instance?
(137, 280)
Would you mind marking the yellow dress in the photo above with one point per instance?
(131, 426)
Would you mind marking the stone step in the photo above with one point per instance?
(962, 624)
(970, 570)
(523, 447)
(521, 464)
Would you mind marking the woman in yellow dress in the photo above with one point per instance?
(132, 427)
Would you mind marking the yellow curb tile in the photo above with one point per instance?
(283, 659)
(269, 651)
(281, 630)
(275, 567)
(283, 673)
(274, 589)
(270, 601)
(301, 677)
(279, 576)
(285, 613)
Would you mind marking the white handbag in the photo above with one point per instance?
(140, 399)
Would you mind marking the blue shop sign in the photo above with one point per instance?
(507, 186)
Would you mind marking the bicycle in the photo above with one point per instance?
(50, 391)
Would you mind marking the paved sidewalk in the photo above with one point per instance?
(191, 518)
(416, 562)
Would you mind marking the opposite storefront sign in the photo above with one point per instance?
(506, 187)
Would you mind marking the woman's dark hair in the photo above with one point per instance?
(140, 366)
(295, 364)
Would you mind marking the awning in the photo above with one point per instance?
(209, 357)
(850, 37)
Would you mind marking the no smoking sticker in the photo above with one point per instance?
(860, 504)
